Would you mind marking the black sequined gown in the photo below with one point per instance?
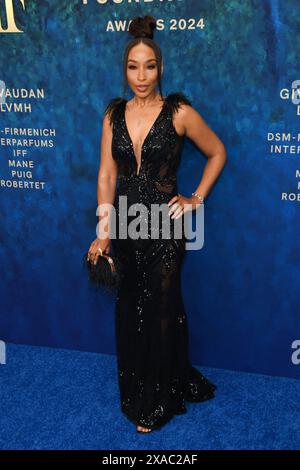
(154, 371)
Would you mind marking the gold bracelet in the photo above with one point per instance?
(198, 197)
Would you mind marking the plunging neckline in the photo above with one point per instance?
(138, 168)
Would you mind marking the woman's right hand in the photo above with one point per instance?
(94, 252)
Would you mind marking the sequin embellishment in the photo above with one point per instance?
(154, 372)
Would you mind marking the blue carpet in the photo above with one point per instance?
(64, 399)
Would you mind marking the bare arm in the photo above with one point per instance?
(106, 189)
(107, 174)
(188, 120)
(208, 142)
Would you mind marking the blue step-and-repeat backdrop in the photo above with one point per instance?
(238, 62)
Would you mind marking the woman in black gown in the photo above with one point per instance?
(154, 371)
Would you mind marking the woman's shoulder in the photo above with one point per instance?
(176, 99)
(114, 107)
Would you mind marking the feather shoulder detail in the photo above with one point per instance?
(175, 99)
(113, 108)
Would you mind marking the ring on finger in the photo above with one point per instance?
(174, 207)
(180, 210)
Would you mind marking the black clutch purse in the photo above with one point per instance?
(106, 272)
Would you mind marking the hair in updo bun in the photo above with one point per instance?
(142, 30)
(142, 27)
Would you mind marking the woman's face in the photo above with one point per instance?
(142, 72)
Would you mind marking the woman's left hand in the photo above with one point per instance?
(180, 204)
